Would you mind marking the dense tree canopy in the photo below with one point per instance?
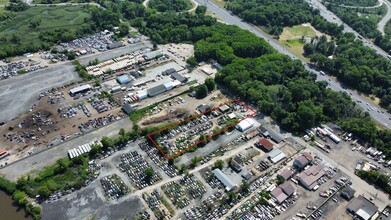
(169, 5)
(276, 14)
(355, 64)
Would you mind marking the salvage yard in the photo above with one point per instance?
(55, 118)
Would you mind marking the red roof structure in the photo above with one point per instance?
(266, 144)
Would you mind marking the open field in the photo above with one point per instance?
(67, 17)
(296, 47)
(297, 31)
(3, 2)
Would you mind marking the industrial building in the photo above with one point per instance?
(309, 177)
(348, 193)
(80, 89)
(153, 54)
(301, 161)
(362, 208)
(178, 77)
(224, 108)
(143, 94)
(286, 174)
(124, 79)
(245, 124)
(282, 192)
(127, 109)
(264, 144)
(224, 179)
(154, 91)
(276, 155)
(115, 45)
(168, 72)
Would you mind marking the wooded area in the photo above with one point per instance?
(276, 14)
(356, 65)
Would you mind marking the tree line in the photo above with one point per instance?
(169, 5)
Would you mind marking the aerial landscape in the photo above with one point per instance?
(195, 109)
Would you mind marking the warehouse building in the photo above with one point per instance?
(245, 124)
(282, 192)
(127, 109)
(143, 94)
(309, 177)
(154, 91)
(348, 193)
(264, 144)
(224, 179)
(178, 77)
(301, 161)
(362, 208)
(276, 155)
(168, 72)
(153, 54)
(124, 79)
(80, 89)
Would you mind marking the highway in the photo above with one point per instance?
(228, 18)
(331, 17)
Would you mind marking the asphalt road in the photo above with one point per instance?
(227, 17)
(331, 17)
(18, 94)
(41, 160)
(382, 23)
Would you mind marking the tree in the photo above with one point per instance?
(123, 29)
(218, 164)
(35, 22)
(15, 38)
(210, 84)
(201, 9)
(195, 161)
(201, 91)
(182, 168)
(106, 143)
(44, 192)
(280, 180)
(149, 173)
(245, 186)
(192, 62)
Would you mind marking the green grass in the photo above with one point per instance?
(296, 47)
(300, 30)
(220, 3)
(68, 17)
(3, 2)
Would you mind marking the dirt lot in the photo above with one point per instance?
(188, 106)
(46, 125)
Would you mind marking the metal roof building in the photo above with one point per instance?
(309, 177)
(124, 79)
(153, 54)
(245, 124)
(154, 91)
(82, 88)
(224, 179)
(362, 207)
(178, 77)
(276, 155)
(142, 94)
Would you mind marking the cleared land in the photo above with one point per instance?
(291, 38)
(66, 17)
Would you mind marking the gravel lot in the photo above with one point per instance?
(19, 93)
(89, 203)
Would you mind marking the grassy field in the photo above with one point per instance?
(296, 47)
(296, 32)
(3, 2)
(69, 17)
(220, 3)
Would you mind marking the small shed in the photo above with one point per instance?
(127, 109)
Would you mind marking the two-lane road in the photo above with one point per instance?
(226, 17)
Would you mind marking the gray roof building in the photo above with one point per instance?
(178, 77)
(288, 188)
(154, 91)
(115, 45)
(348, 193)
(153, 54)
(362, 207)
(279, 195)
(224, 179)
(286, 174)
(127, 109)
(168, 72)
(309, 177)
(276, 137)
(301, 161)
